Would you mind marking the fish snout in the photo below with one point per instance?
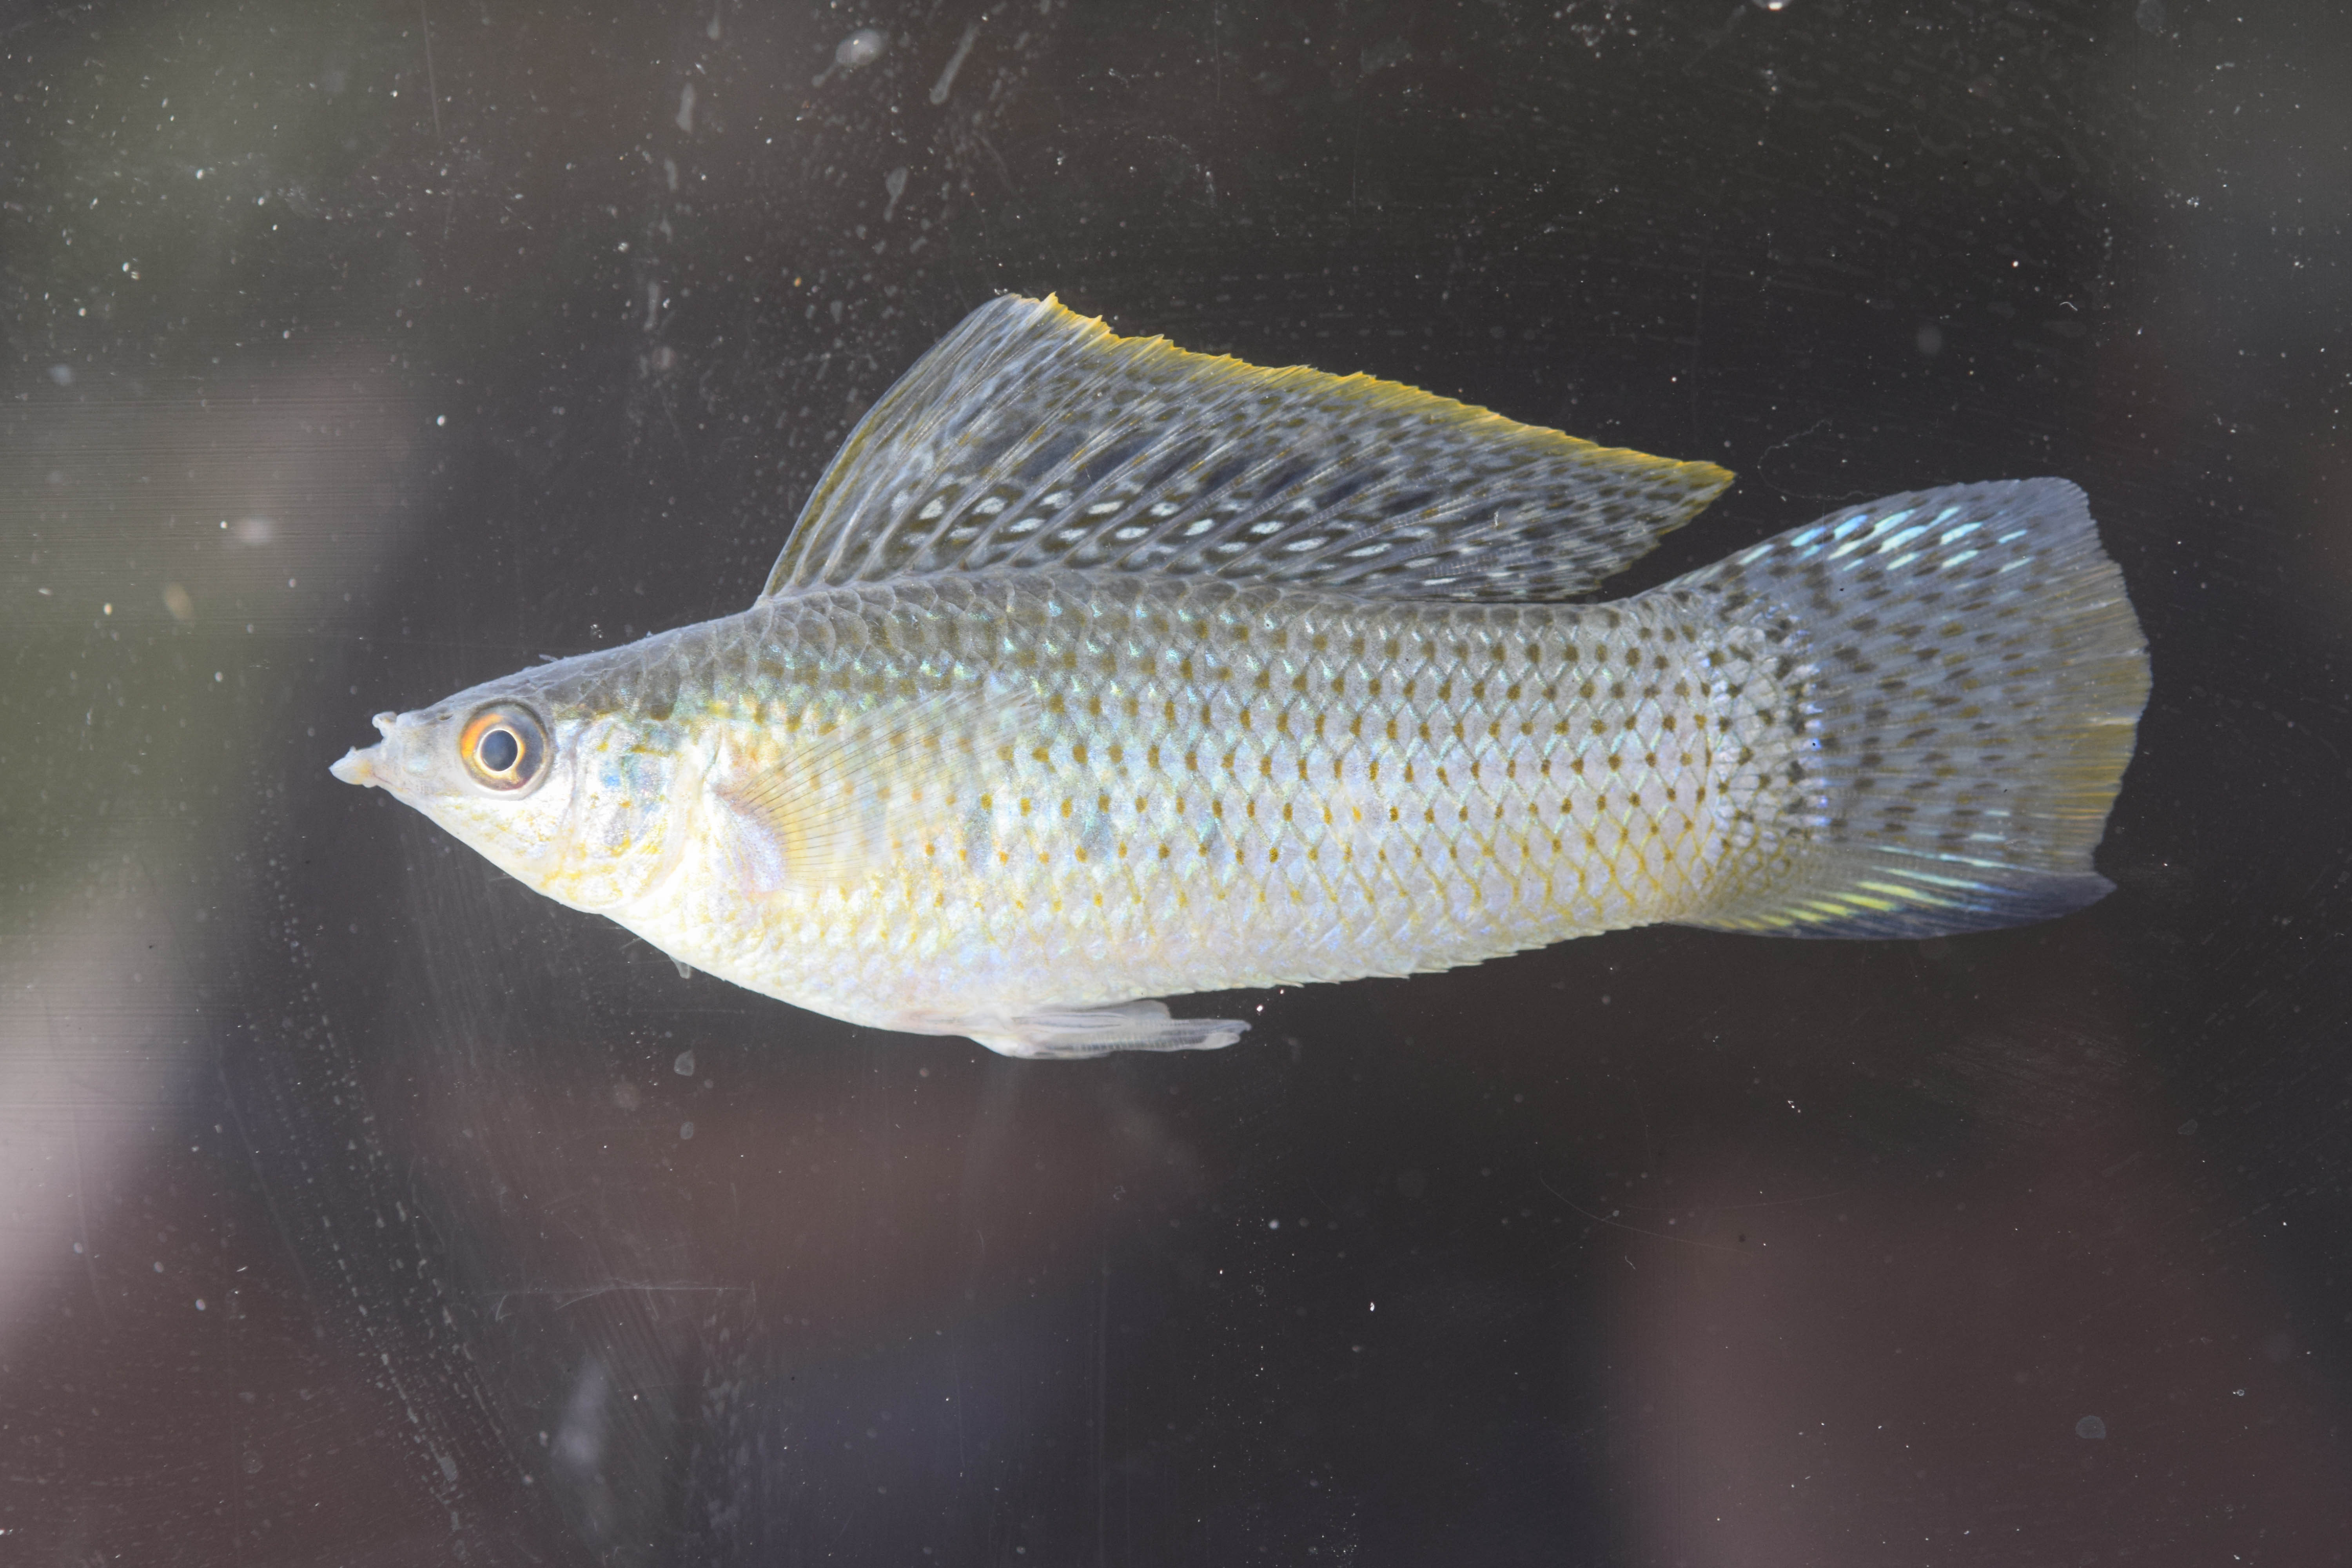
(382, 764)
(357, 766)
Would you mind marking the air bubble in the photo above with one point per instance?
(860, 49)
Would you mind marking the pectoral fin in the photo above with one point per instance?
(829, 800)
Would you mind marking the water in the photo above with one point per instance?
(362, 352)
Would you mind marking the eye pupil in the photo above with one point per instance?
(504, 748)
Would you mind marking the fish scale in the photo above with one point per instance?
(1214, 787)
(1095, 671)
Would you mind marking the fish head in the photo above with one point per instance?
(568, 797)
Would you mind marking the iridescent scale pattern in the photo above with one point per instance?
(1150, 788)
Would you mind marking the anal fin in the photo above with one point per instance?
(1063, 1032)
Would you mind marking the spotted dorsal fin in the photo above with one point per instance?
(1032, 438)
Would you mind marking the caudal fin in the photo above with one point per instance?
(1957, 676)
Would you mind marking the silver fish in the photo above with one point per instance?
(1096, 671)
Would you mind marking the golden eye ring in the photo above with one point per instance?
(504, 748)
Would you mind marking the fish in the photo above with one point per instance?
(1095, 672)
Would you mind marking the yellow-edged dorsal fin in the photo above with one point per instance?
(1031, 437)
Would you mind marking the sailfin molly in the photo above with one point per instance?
(1096, 672)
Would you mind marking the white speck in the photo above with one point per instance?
(946, 84)
(1270, 1224)
(440, 419)
(200, 1303)
(861, 48)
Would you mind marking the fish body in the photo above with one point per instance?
(1015, 784)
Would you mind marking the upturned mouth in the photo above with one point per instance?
(357, 766)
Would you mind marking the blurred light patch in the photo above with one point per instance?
(159, 496)
(98, 1031)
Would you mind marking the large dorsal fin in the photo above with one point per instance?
(1032, 438)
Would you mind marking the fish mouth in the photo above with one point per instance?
(357, 766)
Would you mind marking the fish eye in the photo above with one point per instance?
(498, 751)
(504, 747)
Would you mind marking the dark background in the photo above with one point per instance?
(359, 1206)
